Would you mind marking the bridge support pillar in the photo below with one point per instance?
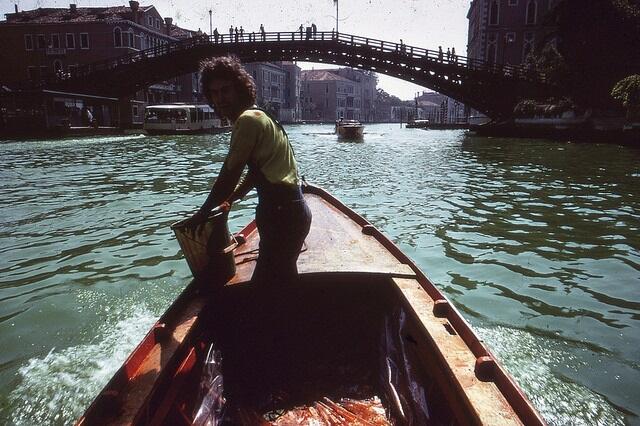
(125, 113)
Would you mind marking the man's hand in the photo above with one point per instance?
(193, 223)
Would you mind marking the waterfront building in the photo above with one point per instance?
(365, 88)
(506, 31)
(291, 111)
(439, 108)
(277, 88)
(328, 95)
(59, 40)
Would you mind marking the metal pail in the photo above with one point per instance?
(209, 252)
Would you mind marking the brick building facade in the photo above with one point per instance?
(505, 31)
(328, 95)
(58, 40)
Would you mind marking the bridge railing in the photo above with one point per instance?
(398, 50)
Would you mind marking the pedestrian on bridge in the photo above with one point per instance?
(453, 55)
(241, 33)
(216, 34)
(440, 53)
(237, 33)
(301, 31)
(314, 30)
(260, 144)
(262, 33)
(231, 33)
(448, 54)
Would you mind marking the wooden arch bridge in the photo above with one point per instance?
(493, 89)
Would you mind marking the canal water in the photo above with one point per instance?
(536, 242)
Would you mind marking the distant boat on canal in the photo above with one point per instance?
(181, 119)
(349, 129)
(418, 124)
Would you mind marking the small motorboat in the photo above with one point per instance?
(362, 338)
(349, 129)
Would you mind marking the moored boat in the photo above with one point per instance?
(418, 124)
(349, 129)
(362, 338)
(178, 119)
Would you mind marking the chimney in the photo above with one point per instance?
(167, 23)
(72, 8)
(135, 6)
(16, 7)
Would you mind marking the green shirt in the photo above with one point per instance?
(257, 140)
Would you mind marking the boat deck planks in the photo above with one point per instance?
(335, 244)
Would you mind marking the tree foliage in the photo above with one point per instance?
(598, 40)
(627, 91)
(383, 97)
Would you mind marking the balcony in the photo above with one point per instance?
(56, 51)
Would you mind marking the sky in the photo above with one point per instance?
(422, 23)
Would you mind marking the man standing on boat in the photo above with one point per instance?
(261, 144)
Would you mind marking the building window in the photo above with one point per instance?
(117, 37)
(134, 110)
(532, 10)
(55, 41)
(84, 40)
(71, 41)
(44, 70)
(494, 10)
(72, 69)
(130, 38)
(527, 46)
(150, 21)
(28, 42)
(32, 73)
(513, 2)
(42, 42)
(492, 49)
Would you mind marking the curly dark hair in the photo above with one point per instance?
(228, 68)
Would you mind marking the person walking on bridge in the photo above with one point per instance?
(260, 144)
(301, 31)
(263, 36)
(216, 34)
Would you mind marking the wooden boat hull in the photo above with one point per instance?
(350, 132)
(362, 326)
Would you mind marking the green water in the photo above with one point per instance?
(536, 243)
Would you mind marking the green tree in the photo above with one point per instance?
(627, 91)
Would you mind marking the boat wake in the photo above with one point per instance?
(58, 388)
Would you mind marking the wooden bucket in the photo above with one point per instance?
(209, 251)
